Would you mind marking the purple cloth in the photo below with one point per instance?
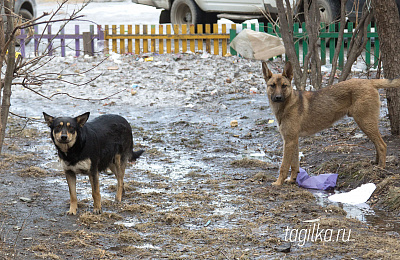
(320, 182)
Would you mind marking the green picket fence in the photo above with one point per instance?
(328, 39)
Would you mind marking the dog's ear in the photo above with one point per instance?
(266, 72)
(81, 120)
(288, 71)
(48, 118)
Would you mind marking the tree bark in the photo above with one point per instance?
(388, 21)
(9, 74)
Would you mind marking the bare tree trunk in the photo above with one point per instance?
(9, 74)
(358, 41)
(286, 28)
(340, 40)
(312, 59)
(388, 21)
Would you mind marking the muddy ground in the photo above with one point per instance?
(203, 188)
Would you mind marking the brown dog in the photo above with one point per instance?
(303, 113)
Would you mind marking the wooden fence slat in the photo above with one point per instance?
(176, 41)
(137, 41)
(153, 41)
(122, 40)
(130, 47)
(232, 34)
(216, 41)
(169, 47)
(224, 42)
(77, 45)
(50, 43)
(208, 41)
(192, 41)
(62, 42)
(200, 41)
(184, 42)
(331, 43)
(323, 45)
(114, 41)
(106, 40)
(161, 41)
(145, 41)
(368, 49)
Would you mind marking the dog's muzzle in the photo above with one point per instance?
(278, 98)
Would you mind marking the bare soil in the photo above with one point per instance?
(200, 191)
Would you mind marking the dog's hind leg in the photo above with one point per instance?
(118, 168)
(73, 204)
(94, 181)
(368, 122)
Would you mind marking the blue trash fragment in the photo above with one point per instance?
(320, 182)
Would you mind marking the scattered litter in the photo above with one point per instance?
(253, 90)
(113, 68)
(24, 199)
(149, 59)
(356, 196)
(205, 55)
(208, 223)
(320, 182)
(312, 220)
(270, 121)
(284, 248)
(234, 123)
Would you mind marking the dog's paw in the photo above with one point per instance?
(71, 212)
(97, 211)
(277, 183)
(290, 181)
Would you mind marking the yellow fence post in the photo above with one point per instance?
(145, 41)
(130, 40)
(216, 40)
(224, 42)
(192, 41)
(161, 41)
(114, 41)
(200, 41)
(107, 41)
(176, 41)
(168, 39)
(153, 41)
(121, 40)
(208, 41)
(137, 41)
(184, 41)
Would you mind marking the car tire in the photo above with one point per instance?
(186, 12)
(165, 17)
(329, 10)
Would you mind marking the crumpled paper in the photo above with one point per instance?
(356, 196)
(320, 182)
(257, 45)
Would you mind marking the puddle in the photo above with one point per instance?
(363, 212)
(129, 222)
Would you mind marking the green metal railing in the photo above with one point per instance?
(328, 40)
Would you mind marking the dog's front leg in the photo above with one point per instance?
(289, 147)
(73, 204)
(295, 165)
(94, 181)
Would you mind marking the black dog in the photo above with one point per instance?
(90, 148)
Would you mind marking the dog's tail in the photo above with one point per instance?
(386, 83)
(136, 155)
